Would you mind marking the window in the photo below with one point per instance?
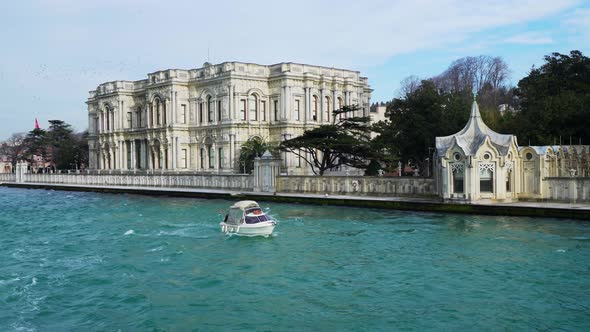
(164, 113)
(263, 110)
(509, 181)
(139, 116)
(129, 120)
(276, 109)
(108, 114)
(314, 114)
(219, 110)
(486, 178)
(210, 108)
(211, 157)
(296, 110)
(328, 109)
(340, 105)
(202, 158)
(151, 110)
(458, 178)
(221, 159)
(200, 112)
(183, 113)
(253, 103)
(157, 111)
(242, 109)
(183, 154)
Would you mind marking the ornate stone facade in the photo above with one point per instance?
(478, 163)
(197, 120)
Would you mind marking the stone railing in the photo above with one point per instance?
(7, 177)
(572, 190)
(213, 181)
(361, 185)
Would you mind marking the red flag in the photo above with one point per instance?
(36, 124)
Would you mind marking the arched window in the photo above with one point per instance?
(328, 107)
(486, 177)
(202, 158)
(340, 105)
(253, 106)
(219, 110)
(211, 157)
(157, 102)
(210, 108)
(108, 118)
(314, 112)
(164, 113)
(458, 170)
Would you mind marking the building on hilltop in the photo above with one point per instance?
(197, 120)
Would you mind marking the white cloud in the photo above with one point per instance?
(83, 43)
(530, 38)
(578, 24)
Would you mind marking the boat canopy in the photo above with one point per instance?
(244, 205)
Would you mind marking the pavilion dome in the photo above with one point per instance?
(473, 136)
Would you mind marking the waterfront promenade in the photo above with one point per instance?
(531, 209)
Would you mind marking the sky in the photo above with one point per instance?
(55, 51)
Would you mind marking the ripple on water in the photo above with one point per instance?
(124, 262)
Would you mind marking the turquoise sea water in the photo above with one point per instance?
(101, 262)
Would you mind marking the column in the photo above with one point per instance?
(167, 113)
(172, 107)
(236, 104)
(288, 102)
(174, 152)
(322, 116)
(142, 155)
(229, 102)
(232, 138)
(305, 104)
(133, 155)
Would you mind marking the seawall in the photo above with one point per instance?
(528, 209)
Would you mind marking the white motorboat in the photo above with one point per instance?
(247, 218)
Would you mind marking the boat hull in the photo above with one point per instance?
(258, 229)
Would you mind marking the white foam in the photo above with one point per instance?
(560, 250)
(129, 232)
(34, 281)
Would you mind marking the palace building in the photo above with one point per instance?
(196, 120)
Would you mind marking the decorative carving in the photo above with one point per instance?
(509, 166)
(486, 166)
(457, 167)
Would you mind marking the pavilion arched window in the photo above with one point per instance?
(458, 173)
(486, 177)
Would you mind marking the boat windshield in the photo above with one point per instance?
(251, 219)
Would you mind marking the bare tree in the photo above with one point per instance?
(14, 148)
(408, 85)
(473, 74)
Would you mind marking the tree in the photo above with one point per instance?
(61, 141)
(252, 148)
(14, 148)
(36, 145)
(414, 121)
(555, 100)
(345, 141)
